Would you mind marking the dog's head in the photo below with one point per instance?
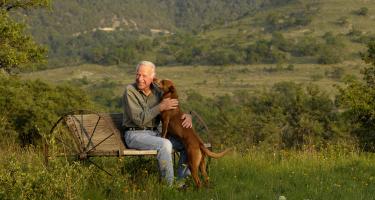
(166, 86)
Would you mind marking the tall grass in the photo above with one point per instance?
(257, 174)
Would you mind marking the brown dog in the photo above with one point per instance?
(172, 124)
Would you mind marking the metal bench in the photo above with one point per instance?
(83, 134)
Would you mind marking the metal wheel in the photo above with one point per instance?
(75, 137)
(61, 143)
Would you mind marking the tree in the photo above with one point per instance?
(17, 49)
(29, 108)
(358, 100)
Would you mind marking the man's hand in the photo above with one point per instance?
(187, 121)
(168, 104)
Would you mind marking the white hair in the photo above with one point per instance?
(149, 64)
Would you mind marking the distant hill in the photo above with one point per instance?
(216, 32)
(75, 17)
(353, 19)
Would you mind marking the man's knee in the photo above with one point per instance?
(167, 146)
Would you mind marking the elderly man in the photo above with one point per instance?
(143, 103)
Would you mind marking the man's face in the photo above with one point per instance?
(144, 77)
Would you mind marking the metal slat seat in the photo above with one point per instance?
(100, 134)
(83, 134)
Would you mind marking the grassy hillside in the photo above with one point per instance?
(336, 16)
(325, 15)
(207, 80)
(74, 17)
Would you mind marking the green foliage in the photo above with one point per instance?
(73, 20)
(305, 115)
(75, 35)
(100, 48)
(29, 108)
(358, 36)
(278, 21)
(8, 5)
(102, 92)
(332, 51)
(223, 57)
(264, 52)
(17, 50)
(173, 32)
(24, 176)
(306, 46)
(329, 55)
(359, 100)
(363, 11)
(287, 116)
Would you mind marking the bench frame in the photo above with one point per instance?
(83, 134)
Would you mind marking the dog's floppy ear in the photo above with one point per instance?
(172, 89)
(156, 81)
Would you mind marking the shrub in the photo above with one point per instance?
(358, 100)
(29, 108)
(223, 57)
(329, 55)
(363, 11)
(336, 73)
(306, 46)
(289, 115)
(344, 20)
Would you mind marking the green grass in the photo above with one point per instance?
(257, 174)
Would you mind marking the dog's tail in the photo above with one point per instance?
(213, 154)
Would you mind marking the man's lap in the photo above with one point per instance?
(149, 140)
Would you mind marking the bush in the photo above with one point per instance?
(358, 100)
(28, 109)
(336, 73)
(363, 11)
(289, 115)
(223, 57)
(306, 46)
(342, 21)
(329, 55)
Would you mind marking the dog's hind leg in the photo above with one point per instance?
(194, 174)
(202, 167)
(194, 163)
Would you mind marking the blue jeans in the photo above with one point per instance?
(151, 140)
